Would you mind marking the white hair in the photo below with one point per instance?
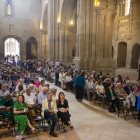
(53, 90)
(45, 88)
(127, 81)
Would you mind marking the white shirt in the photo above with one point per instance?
(101, 88)
(55, 98)
(30, 99)
(24, 87)
(68, 79)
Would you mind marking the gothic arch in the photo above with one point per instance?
(122, 51)
(31, 48)
(135, 56)
(67, 11)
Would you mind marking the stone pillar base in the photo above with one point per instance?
(65, 62)
(106, 65)
(79, 61)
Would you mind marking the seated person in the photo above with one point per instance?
(63, 111)
(35, 87)
(41, 86)
(128, 88)
(101, 91)
(69, 82)
(30, 99)
(13, 77)
(90, 88)
(120, 91)
(48, 111)
(131, 99)
(62, 78)
(21, 82)
(36, 82)
(20, 116)
(3, 91)
(8, 102)
(42, 96)
(20, 92)
(110, 96)
(54, 96)
(48, 86)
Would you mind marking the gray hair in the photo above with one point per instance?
(45, 88)
(48, 93)
(53, 90)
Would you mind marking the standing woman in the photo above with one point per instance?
(80, 84)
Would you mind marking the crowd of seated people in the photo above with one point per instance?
(22, 82)
(21, 91)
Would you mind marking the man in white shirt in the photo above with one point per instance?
(57, 63)
(21, 82)
(30, 99)
(3, 91)
(42, 96)
(90, 88)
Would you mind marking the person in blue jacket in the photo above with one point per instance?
(138, 108)
(80, 85)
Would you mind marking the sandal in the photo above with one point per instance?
(33, 131)
(22, 138)
(71, 126)
(65, 131)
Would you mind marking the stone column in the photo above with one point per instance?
(50, 29)
(66, 43)
(108, 35)
(100, 37)
(80, 34)
(87, 37)
(62, 42)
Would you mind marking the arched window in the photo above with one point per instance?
(127, 7)
(9, 9)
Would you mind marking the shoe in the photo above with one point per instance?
(65, 131)
(53, 134)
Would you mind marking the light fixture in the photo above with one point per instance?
(97, 3)
(40, 26)
(71, 22)
(58, 20)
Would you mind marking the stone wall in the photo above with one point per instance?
(24, 22)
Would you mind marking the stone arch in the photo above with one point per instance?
(16, 38)
(68, 15)
(31, 48)
(67, 11)
(122, 51)
(135, 56)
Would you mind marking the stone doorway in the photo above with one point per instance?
(135, 56)
(122, 51)
(12, 45)
(31, 48)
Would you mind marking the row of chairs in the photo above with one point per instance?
(122, 109)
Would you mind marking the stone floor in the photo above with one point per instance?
(92, 122)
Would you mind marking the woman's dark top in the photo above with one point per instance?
(7, 104)
(65, 105)
(108, 94)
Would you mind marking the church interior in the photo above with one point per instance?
(99, 35)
